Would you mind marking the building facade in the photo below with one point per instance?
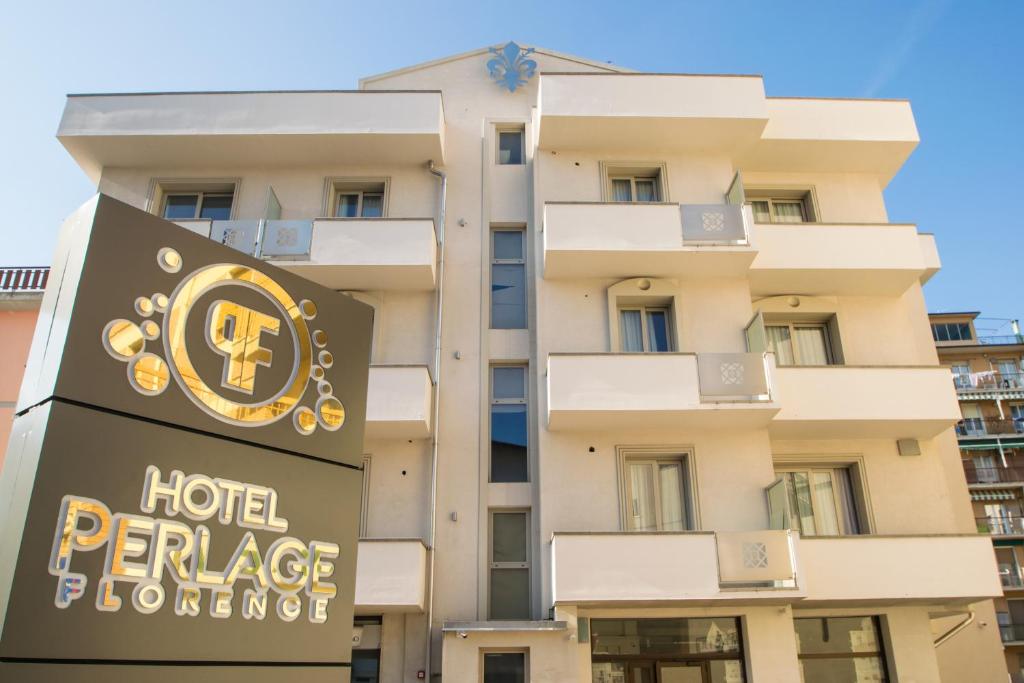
(654, 397)
(21, 293)
(989, 380)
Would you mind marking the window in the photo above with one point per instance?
(821, 500)
(504, 667)
(635, 189)
(510, 147)
(366, 652)
(357, 198)
(781, 206)
(510, 565)
(645, 328)
(508, 279)
(840, 650)
(188, 205)
(657, 493)
(800, 343)
(1009, 570)
(667, 650)
(942, 332)
(961, 375)
(508, 424)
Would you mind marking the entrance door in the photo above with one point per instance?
(680, 672)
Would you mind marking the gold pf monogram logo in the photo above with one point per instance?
(237, 335)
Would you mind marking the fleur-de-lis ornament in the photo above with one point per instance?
(510, 67)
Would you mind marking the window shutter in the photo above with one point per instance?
(756, 341)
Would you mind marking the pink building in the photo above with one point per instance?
(21, 292)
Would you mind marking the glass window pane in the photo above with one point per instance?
(810, 342)
(508, 382)
(761, 212)
(216, 207)
(657, 330)
(780, 343)
(180, 206)
(788, 212)
(800, 510)
(509, 537)
(508, 245)
(965, 331)
(631, 331)
(348, 206)
(510, 147)
(510, 593)
(622, 190)
(836, 635)
(726, 671)
(610, 672)
(504, 667)
(508, 296)
(665, 637)
(646, 190)
(365, 666)
(842, 670)
(672, 496)
(825, 504)
(373, 205)
(641, 487)
(508, 443)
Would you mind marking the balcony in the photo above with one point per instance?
(398, 402)
(23, 280)
(992, 475)
(833, 259)
(631, 568)
(609, 391)
(989, 385)
(851, 570)
(1011, 633)
(984, 426)
(663, 113)
(339, 253)
(613, 239)
(848, 401)
(391, 576)
(1000, 526)
(194, 130)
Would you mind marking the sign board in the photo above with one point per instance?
(183, 472)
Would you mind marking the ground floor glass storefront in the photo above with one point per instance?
(840, 650)
(706, 650)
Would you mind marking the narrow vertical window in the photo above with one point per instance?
(508, 424)
(508, 279)
(510, 147)
(510, 565)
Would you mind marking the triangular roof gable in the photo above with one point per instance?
(363, 82)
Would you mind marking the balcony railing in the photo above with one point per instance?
(988, 381)
(23, 279)
(1011, 633)
(1002, 339)
(1009, 576)
(985, 426)
(1000, 526)
(992, 475)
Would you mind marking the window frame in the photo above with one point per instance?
(510, 128)
(685, 488)
(681, 453)
(335, 186)
(960, 327)
(492, 402)
(632, 188)
(360, 198)
(858, 495)
(881, 654)
(201, 196)
(499, 566)
(794, 325)
(773, 201)
(522, 261)
(645, 332)
(633, 170)
(484, 651)
(803, 194)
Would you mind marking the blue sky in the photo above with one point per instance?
(960, 64)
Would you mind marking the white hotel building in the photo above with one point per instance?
(654, 397)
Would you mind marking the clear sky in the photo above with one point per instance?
(960, 63)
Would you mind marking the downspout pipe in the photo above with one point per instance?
(435, 419)
(968, 620)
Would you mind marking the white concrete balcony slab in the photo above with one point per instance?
(830, 259)
(614, 239)
(886, 569)
(628, 568)
(398, 402)
(364, 254)
(391, 576)
(847, 401)
(614, 391)
(633, 112)
(253, 128)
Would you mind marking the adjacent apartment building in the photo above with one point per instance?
(654, 397)
(989, 380)
(21, 293)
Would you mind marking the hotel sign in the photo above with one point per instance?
(183, 471)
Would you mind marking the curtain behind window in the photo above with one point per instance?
(632, 331)
(780, 343)
(622, 191)
(788, 212)
(810, 342)
(641, 478)
(761, 212)
(670, 481)
(646, 191)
